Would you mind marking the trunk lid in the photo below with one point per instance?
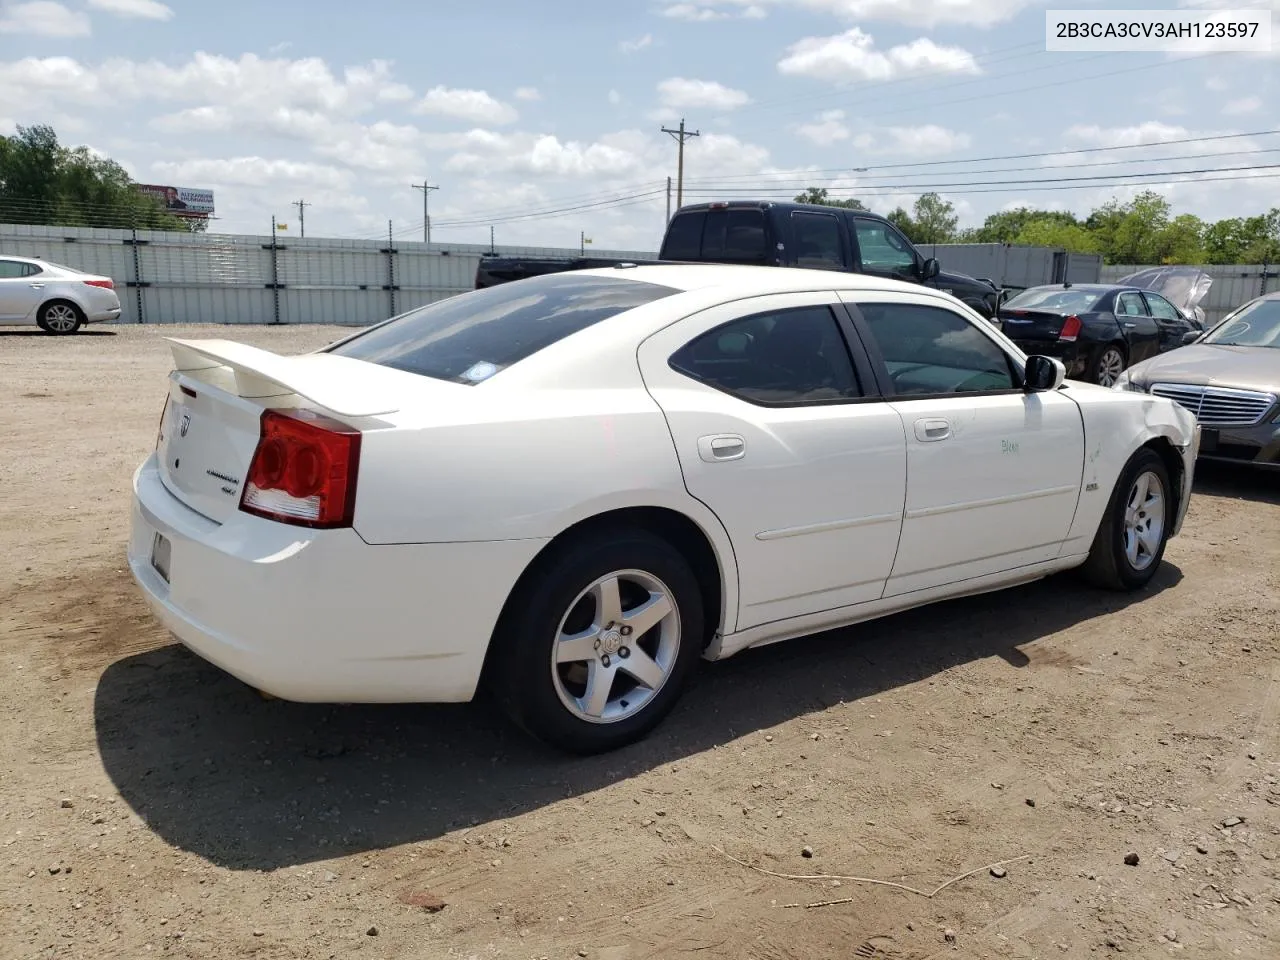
(1032, 326)
(217, 392)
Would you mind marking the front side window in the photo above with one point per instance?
(816, 243)
(780, 357)
(1162, 308)
(931, 351)
(470, 337)
(884, 250)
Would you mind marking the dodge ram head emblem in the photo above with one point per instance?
(184, 425)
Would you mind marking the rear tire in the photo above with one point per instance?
(1107, 366)
(1129, 545)
(60, 318)
(594, 648)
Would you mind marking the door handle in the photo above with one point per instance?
(37, 286)
(932, 429)
(1130, 325)
(722, 446)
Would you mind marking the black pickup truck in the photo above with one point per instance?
(778, 235)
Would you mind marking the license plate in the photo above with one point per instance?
(1208, 440)
(161, 549)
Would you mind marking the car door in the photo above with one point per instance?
(1137, 325)
(18, 297)
(883, 251)
(1172, 325)
(993, 472)
(779, 431)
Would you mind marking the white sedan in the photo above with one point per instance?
(60, 300)
(572, 487)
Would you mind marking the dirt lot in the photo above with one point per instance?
(151, 805)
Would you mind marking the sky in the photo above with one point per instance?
(543, 118)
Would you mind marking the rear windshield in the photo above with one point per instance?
(470, 337)
(1054, 300)
(717, 236)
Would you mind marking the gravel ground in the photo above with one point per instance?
(151, 805)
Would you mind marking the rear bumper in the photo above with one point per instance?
(319, 615)
(104, 315)
(1073, 354)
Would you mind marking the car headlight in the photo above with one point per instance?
(1123, 382)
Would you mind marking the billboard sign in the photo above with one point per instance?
(181, 201)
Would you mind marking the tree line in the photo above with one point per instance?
(1143, 230)
(43, 182)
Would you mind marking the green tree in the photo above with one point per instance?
(1044, 232)
(1006, 226)
(43, 182)
(902, 220)
(818, 196)
(934, 219)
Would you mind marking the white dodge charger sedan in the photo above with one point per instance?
(573, 487)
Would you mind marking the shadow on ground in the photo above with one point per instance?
(37, 332)
(255, 784)
(1237, 482)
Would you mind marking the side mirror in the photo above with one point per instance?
(1044, 373)
(929, 269)
(1191, 336)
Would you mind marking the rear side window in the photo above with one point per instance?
(1130, 305)
(816, 241)
(717, 236)
(470, 337)
(684, 236)
(14, 269)
(783, 357)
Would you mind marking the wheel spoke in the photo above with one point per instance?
(1131, 545)
(644, 668)
(647, 616)
(608, 597)
(577, 647)
(599, 682)
(1140, 489)
(1148, 540)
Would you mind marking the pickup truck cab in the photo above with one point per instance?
(765, 233)
(816, 237)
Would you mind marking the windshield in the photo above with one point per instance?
(1054, 300)
(470, 337)
(1256, 324)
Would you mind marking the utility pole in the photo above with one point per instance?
(426, 189)
(491, 250)
(680, 135)
(302, 217)
(668, 201)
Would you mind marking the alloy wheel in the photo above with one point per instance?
(1144, 517)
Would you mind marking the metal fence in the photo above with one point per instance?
(167, 277)
(1233, 284)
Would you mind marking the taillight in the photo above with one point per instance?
(303, 470)
(104, 284)
(1070, 328)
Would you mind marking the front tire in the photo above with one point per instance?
(60, 318)
(593, 650)
(1130, 542)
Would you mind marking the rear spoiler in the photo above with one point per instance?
(348, 387)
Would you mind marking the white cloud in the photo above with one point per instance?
(475, 106)
(43, 18)
(828, 128)
(1234, 108)
(1150, 131)
(251, 171)
(852, 56)
(913, 13)
(137, 9)
(677, 93)
(281, 47)
(636, 45)
(1216, 84)
(528, 93)
(922, 141)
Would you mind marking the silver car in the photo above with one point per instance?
(58, 299)
(1229, 378)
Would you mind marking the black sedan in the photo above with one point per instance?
(1096, 329)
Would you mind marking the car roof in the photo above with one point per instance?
(750, 280)
(1088, 287)
(786, 205)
